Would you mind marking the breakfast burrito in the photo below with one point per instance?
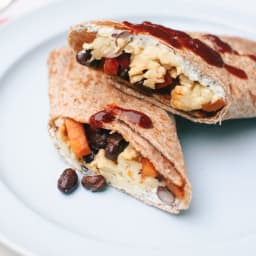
(202, 77)
(100, 130)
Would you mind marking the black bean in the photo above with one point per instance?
(94, 183)
(83, 57)
(139, 83)
(114, 138)
(123, 73)
(115, 145)
(89, 158)
(68, 181)
(167, 89)
(84, 168)
(94, 149)
(165, 195)
(97, 138)
(96, 63)
(160, 177)
(140, 87)
(111, 151)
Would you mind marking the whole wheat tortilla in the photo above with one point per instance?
(78, 92)
(240, 93)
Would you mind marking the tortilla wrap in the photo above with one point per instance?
(238, 94)
(77, 92)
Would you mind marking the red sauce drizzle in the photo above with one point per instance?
(253, 57)
(224, 47)
(96, 120)
(133, 116)
(108, 115)
(236, 71)
(220, 45)
(179, 39)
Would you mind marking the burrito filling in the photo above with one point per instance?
(106, 153)
(152, 67)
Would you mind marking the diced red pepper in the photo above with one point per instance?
(111, 66)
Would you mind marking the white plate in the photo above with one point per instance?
(36, 219)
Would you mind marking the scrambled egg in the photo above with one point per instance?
(125, 172)
(151, 63)
(111, 48)
(190, 95)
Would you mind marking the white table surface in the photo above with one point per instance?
(22, 6)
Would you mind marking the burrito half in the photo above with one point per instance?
(100, 130)
(202, 77)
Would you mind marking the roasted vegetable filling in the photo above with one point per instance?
(107, 153)
(150, 68)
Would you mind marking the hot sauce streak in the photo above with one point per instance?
(236, 71)
(224, 47)
(220, 45)
(97, 119)
(108, 115)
